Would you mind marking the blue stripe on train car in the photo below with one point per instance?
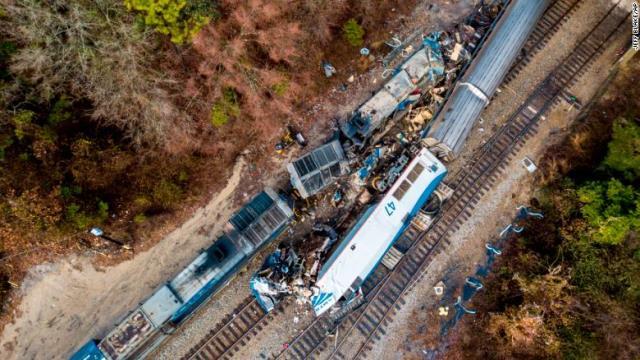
(421, 202)
(89, 351)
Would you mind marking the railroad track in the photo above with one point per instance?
(556, 14)
(232, 332)
(239, 327)
(354, 335)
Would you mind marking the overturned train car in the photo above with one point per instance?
(472, 93)
(425, 66)
(375, 232)
(255, 225)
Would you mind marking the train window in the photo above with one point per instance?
(402, 189)
(415, 172)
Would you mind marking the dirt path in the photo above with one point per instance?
(67, 302)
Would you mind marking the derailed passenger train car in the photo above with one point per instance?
(375, 231)
(454, 121)
(425, 66)
(252, 227)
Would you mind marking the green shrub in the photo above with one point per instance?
(176, 18)
(46, 134)
(103, 211)
(219, 116)
(142, 202)
(60, 111)
(140, 218)
(76, 217)
(353, 32)
(225, 108)
(21, 122)
(65, 192)
(6, 50)
(624, 149)
(281, 88)
(166, 194)
(183, 176)
(5, 141)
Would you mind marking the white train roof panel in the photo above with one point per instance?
(418, 64)
(376, 230)
(215, 262)
(161, 305)
(400, 86)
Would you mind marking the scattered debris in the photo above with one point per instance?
(329, 70)
(290, 136)
(529, 165)
(378, 141)
(337, 197)
(277, 277)
(524, 212)
(493, 250)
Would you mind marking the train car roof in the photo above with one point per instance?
(318, 168)
(136, 328)
(377, 229)
(161, 305)
(259, 220)
(207, 266)
(125, 338)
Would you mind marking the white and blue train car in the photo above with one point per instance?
(375, 232)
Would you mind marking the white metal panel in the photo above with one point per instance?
(379, 107)
(400, 85)
(417, 65)
(160, 306)
(188, 282)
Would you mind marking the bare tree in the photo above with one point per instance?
(94, 49)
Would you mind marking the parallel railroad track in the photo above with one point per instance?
(239, 327)
(556, 14)
(232, 332)
(470, 184)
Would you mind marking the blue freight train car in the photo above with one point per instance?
(256, 224)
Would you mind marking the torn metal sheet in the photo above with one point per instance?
(272, 282)
(424, 68)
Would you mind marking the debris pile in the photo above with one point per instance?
(286, 273)
(278, 277)
(373, 147)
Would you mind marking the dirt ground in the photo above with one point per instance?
(65, 303)
(68, 302)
